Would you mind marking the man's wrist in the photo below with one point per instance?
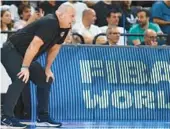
(24, 67)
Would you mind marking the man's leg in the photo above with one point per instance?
(37, 75)
(12, 62)
(26, 100)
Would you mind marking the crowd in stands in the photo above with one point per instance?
(113, 18)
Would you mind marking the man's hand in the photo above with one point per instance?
(153, 43)
(49, 74)
(24, 73)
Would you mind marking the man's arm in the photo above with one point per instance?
(52, 53)
(136, 42)
(160, 21)
(101, 40)
(32, 50)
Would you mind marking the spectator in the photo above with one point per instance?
(79, 7)
(150, 38)
(14, 8)
(128, 14)
(113, 35)
(50, 6)
(24, 12)
(6, 25)
(90, 3)
(161, 15)
(102, 8)
(113, 20)
(86, 27)
(141, 27)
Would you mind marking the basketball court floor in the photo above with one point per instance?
(105, 125)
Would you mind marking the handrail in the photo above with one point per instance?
(80, 36)
(126, 34)
(95, 38)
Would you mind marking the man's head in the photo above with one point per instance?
(167, 2)
(113, 35)
(24, 12)
(127, 3)
(150, 37)
(89, 15)
(66, 15)
(143, 17)
(113, 18)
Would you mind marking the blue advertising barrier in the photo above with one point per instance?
(109, 83)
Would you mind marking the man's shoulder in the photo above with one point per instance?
(94, 27)
(153, 25)
(158, 3)
(49, 20)
(51, 17)
(121, 29)
(134, 28)
(103, 29)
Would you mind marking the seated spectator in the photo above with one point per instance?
(102, 8)
(113, 20)
(90, 3)
(113, 35)
(24, 12)
(150, 38)
(79, 7)
(14, 8)
(141, 27)
(128, 14)
(87, 29)
(50, 6)
(161, 15)
(6, 25)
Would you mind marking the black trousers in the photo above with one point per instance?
(12, 61)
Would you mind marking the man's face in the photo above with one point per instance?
(92, 17)
(69, 18)
(113, 19)
(142, 19)
(150, 38)
(113, 35)
(127, 3)
(26, 14)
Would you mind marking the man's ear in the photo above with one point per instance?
(60, 15)
(107, 19)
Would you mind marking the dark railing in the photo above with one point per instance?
(127, 34)
(161, 36)
(80, 36)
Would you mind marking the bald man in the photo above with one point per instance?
(87, 28)
(19, 55)
(150, 38)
